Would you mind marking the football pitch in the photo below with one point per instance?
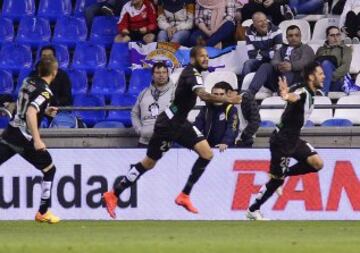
(180, 236)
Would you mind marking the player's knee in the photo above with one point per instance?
(148, 163)
(207, 155)
(49, 172)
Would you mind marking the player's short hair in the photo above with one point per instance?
(331, 27)
(158, 65)
(310, 69)
(48, 47)
(223, 85)
(47, 66)
(293, 27)
(194, 51)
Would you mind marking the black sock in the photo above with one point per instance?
(196, 172)
(267, 191)
(300, 168)
(132, 176)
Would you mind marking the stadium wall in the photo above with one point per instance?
(224, 192)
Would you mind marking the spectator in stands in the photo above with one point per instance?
(175, 20)
(151, 102)
(61, 85)
(289, 61)
(350, 20)
(137, 22)
(335, 58)
(218, 121)
(103, 8)
(307, 6)
(276, 10)
(239, 29)
(262, 39)
(215, 22)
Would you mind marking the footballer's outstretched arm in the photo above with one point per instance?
(284, 91)
(208, 97)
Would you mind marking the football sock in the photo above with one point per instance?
(196, 172)
(265, 193)
(131, 177)
(46, 186)
(300, 168)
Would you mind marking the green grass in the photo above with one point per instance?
(181, 236)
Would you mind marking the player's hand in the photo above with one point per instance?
(222, 147)
(283, 87)
(233, 98)
(39, 145)
(51, 111)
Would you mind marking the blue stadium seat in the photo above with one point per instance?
(140, 79)
(16, 9)
(6, 30)
(70, 30)
(53, 9)
(4, 121)
(15, 56)
(90, 117)
(80, 6)
(109, 124)
(309, 123)
(64, 120)
(62, 54)
(6, 82)
(104, 30)
(337, 123)
(33, 31)
(89, 56)
(22, 75)
(120, 57)
(79, 81)
(108, 82)
(122, 116)
(267, 123)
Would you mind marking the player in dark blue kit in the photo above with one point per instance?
(172, 125)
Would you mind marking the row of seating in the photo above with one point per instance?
(68, 30)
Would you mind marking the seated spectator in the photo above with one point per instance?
(175, 20)
(350, 20)
(151, 102)
(103, 8)
(276, 10)
(137, 22)
(289, 61)
(218, 122)
(335, 58)
(307, 6)
(262, 39)
(215, 22)
(61, 85)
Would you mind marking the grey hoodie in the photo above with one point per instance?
(146, 109)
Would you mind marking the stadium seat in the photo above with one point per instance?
(247, 23)
(6, 30)
(351, 114)
(122, 116)
(6, 82)
(140, 79)
(267, 123)
(104, 30)
(247, 80)
(53, 9)
(318, 116)
(109, 124)
(80, 6)
(220, 76)
(309, 123)
(108, 82)
(64, 120)
(355, 63)
(79, 81)
(15, 56)
(337, 123)
(4, 121)
(16, 9)
(62, 54)
(90, 118)
(22, 75)
(120, 57)
(304, 27)
(89, 56)
(33, 31)
(70, 30)
(315, 46)
(272, 115)
(319, 33)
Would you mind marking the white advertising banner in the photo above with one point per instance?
(224, 192)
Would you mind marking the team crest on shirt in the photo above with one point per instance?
(46, 94)
(222, 116)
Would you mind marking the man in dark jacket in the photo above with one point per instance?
(219, 122)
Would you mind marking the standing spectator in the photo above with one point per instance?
(307, 6)
(61, 85)
(215, 22)
(289, 61)
(151, 102)
(137, 22)
(175, 20)
(218, 121)
(262, 39)
(335, 58)
(350, 20)
(103, 8)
